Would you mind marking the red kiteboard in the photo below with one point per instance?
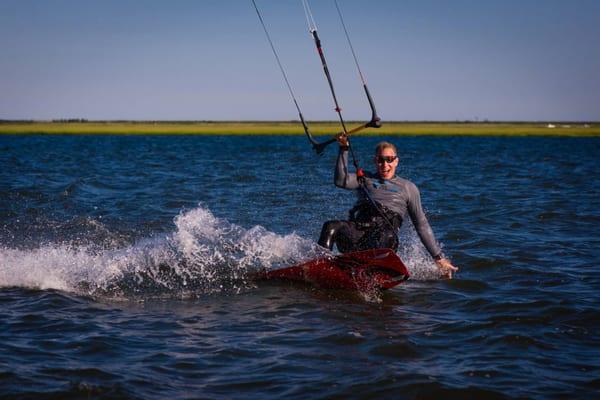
(361, 270)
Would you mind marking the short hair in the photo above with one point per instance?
(385, 145)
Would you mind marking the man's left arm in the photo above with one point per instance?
(419, 220)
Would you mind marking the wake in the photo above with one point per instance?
(203, 254)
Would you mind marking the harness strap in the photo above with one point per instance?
(366, 216)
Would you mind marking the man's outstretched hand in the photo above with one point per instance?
(446, 268)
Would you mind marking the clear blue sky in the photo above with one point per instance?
(210, 60)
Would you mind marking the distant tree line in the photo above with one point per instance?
(69, 120)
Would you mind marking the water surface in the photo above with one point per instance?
(124, 265)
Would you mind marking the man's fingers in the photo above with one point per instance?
(446, 268)
(447, 264)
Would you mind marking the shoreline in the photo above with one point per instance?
(320, 128)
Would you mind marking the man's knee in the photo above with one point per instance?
(335, 233)
(333, 225)
(328, 232)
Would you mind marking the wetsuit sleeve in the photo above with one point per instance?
(342, 177)
(419, 220)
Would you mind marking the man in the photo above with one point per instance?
(378, 213)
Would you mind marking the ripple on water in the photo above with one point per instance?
(173, 239)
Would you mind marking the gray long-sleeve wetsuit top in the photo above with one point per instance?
(397, 194)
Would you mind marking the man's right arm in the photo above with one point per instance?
(342, 177)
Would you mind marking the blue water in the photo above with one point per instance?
(125, 268)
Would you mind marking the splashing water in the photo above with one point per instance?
(203, 254)
(414, 255)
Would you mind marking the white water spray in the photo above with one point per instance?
(202, 254)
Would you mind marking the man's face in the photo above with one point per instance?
(386, 161)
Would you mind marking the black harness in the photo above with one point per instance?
(367, 217)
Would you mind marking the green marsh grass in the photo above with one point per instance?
(295, 128)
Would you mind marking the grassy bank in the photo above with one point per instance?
(294, 128)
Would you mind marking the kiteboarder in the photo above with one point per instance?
(384, 199)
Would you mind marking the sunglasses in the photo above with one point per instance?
(386, 159)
